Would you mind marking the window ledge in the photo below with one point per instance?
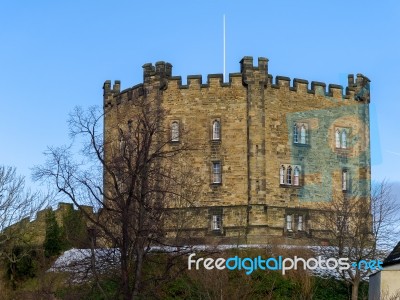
(301, 145)
(344, 150)
(290, 186)
(216, 232)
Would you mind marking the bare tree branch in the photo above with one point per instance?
(361, 228)
(136, 180)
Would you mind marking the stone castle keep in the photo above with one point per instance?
(275, 148)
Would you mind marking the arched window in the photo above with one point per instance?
(303, 133)
(295, 134)
(344, 180)
(282, 175)
(289, 175)
(296, 174)
(175, 131)
(337, 138)
(216, 130)
(344, 139)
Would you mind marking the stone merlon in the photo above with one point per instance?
(358, 88)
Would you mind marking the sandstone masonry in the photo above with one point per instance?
(275, 148)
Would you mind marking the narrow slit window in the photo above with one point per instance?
(295, 134)
(344, 180)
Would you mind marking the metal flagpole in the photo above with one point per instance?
(224, 47)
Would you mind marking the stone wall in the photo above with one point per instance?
(34, 231)
(256, 114)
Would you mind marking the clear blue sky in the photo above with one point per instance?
(55, 55)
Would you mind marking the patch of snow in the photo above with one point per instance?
(78, 262)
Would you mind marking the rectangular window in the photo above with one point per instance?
(300, 223)
(216, 172)
(216, 222)
(289, 222)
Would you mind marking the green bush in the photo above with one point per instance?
(20, 265)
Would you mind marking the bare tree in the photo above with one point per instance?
(135, 177)
(361, 229)
(385, 209)
(17, 206)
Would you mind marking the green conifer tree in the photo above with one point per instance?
(53, 241)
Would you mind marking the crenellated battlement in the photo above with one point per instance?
(115, 88)
(356, 90)
(115, 95)
(360, 87)
(160, 75)
(36, 227)
(249, 70)
(196, 81)
(161, 69)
